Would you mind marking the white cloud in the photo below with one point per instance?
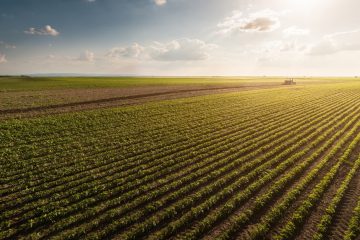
(292, 46)
(133, 51)
(324, 47)
(262, 21)
(295, 31)
(184, 49)
(160, 2)
(90, 0)
(2, 58)
(265, 59)
(337, 42)
(275, 48)
(87, 56)
(3, 44)
(47, 30)
(180, 50)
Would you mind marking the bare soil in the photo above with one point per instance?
(310, 226)
(35, 103)
(345, 210)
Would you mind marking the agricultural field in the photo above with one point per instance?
(31, 96)
(179, 158)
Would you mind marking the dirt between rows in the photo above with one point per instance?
(35, 103)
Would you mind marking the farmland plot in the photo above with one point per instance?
(280, 163)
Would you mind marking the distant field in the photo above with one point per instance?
(33, 96)
(51, 83)
(270, 162)
(41, 83)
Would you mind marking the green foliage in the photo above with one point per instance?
(180, 168)
(41, 83)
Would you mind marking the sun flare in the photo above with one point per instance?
(308, 4)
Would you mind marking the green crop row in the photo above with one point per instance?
(220, 166)
(220, 172)
(239, 220)
(303, 210)
(275, 213)
(33, 223)
(54, 166)
(228, 191)
(326, 218)
(354, 225)
(38, 191)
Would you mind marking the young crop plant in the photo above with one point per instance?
(254, 164)
(326, 219)
(304, 209)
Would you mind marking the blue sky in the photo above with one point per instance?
(180, 37)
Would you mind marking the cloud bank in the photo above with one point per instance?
(47, 30)
(180, 50)
(262, 21)
(133, 51)
(87, 56)
(184, 49)
(337, 42)
(8, 46)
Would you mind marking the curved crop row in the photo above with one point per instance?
(231, 139)
(33, 223)
(276, 212)
(303, 210)
(54, 166)
(331, 209)
(354, 226)
(203, 207)
(239, 220)
(37, 191)
(181, 193)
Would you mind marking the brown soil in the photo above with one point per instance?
(310, 226)
(35, 103)
(243, 233)
(345, 209)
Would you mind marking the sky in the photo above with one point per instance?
(181, 37)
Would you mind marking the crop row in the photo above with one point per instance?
(176, 193)
(186, 177)
(237, 221)
(191, 177)
(304, 209)
(135, 169)
(33, 165)
(327, 217)
(202, 146)
(69, 127)
(164, 126)
(206, 205)
(276, 212)
(354, 225)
